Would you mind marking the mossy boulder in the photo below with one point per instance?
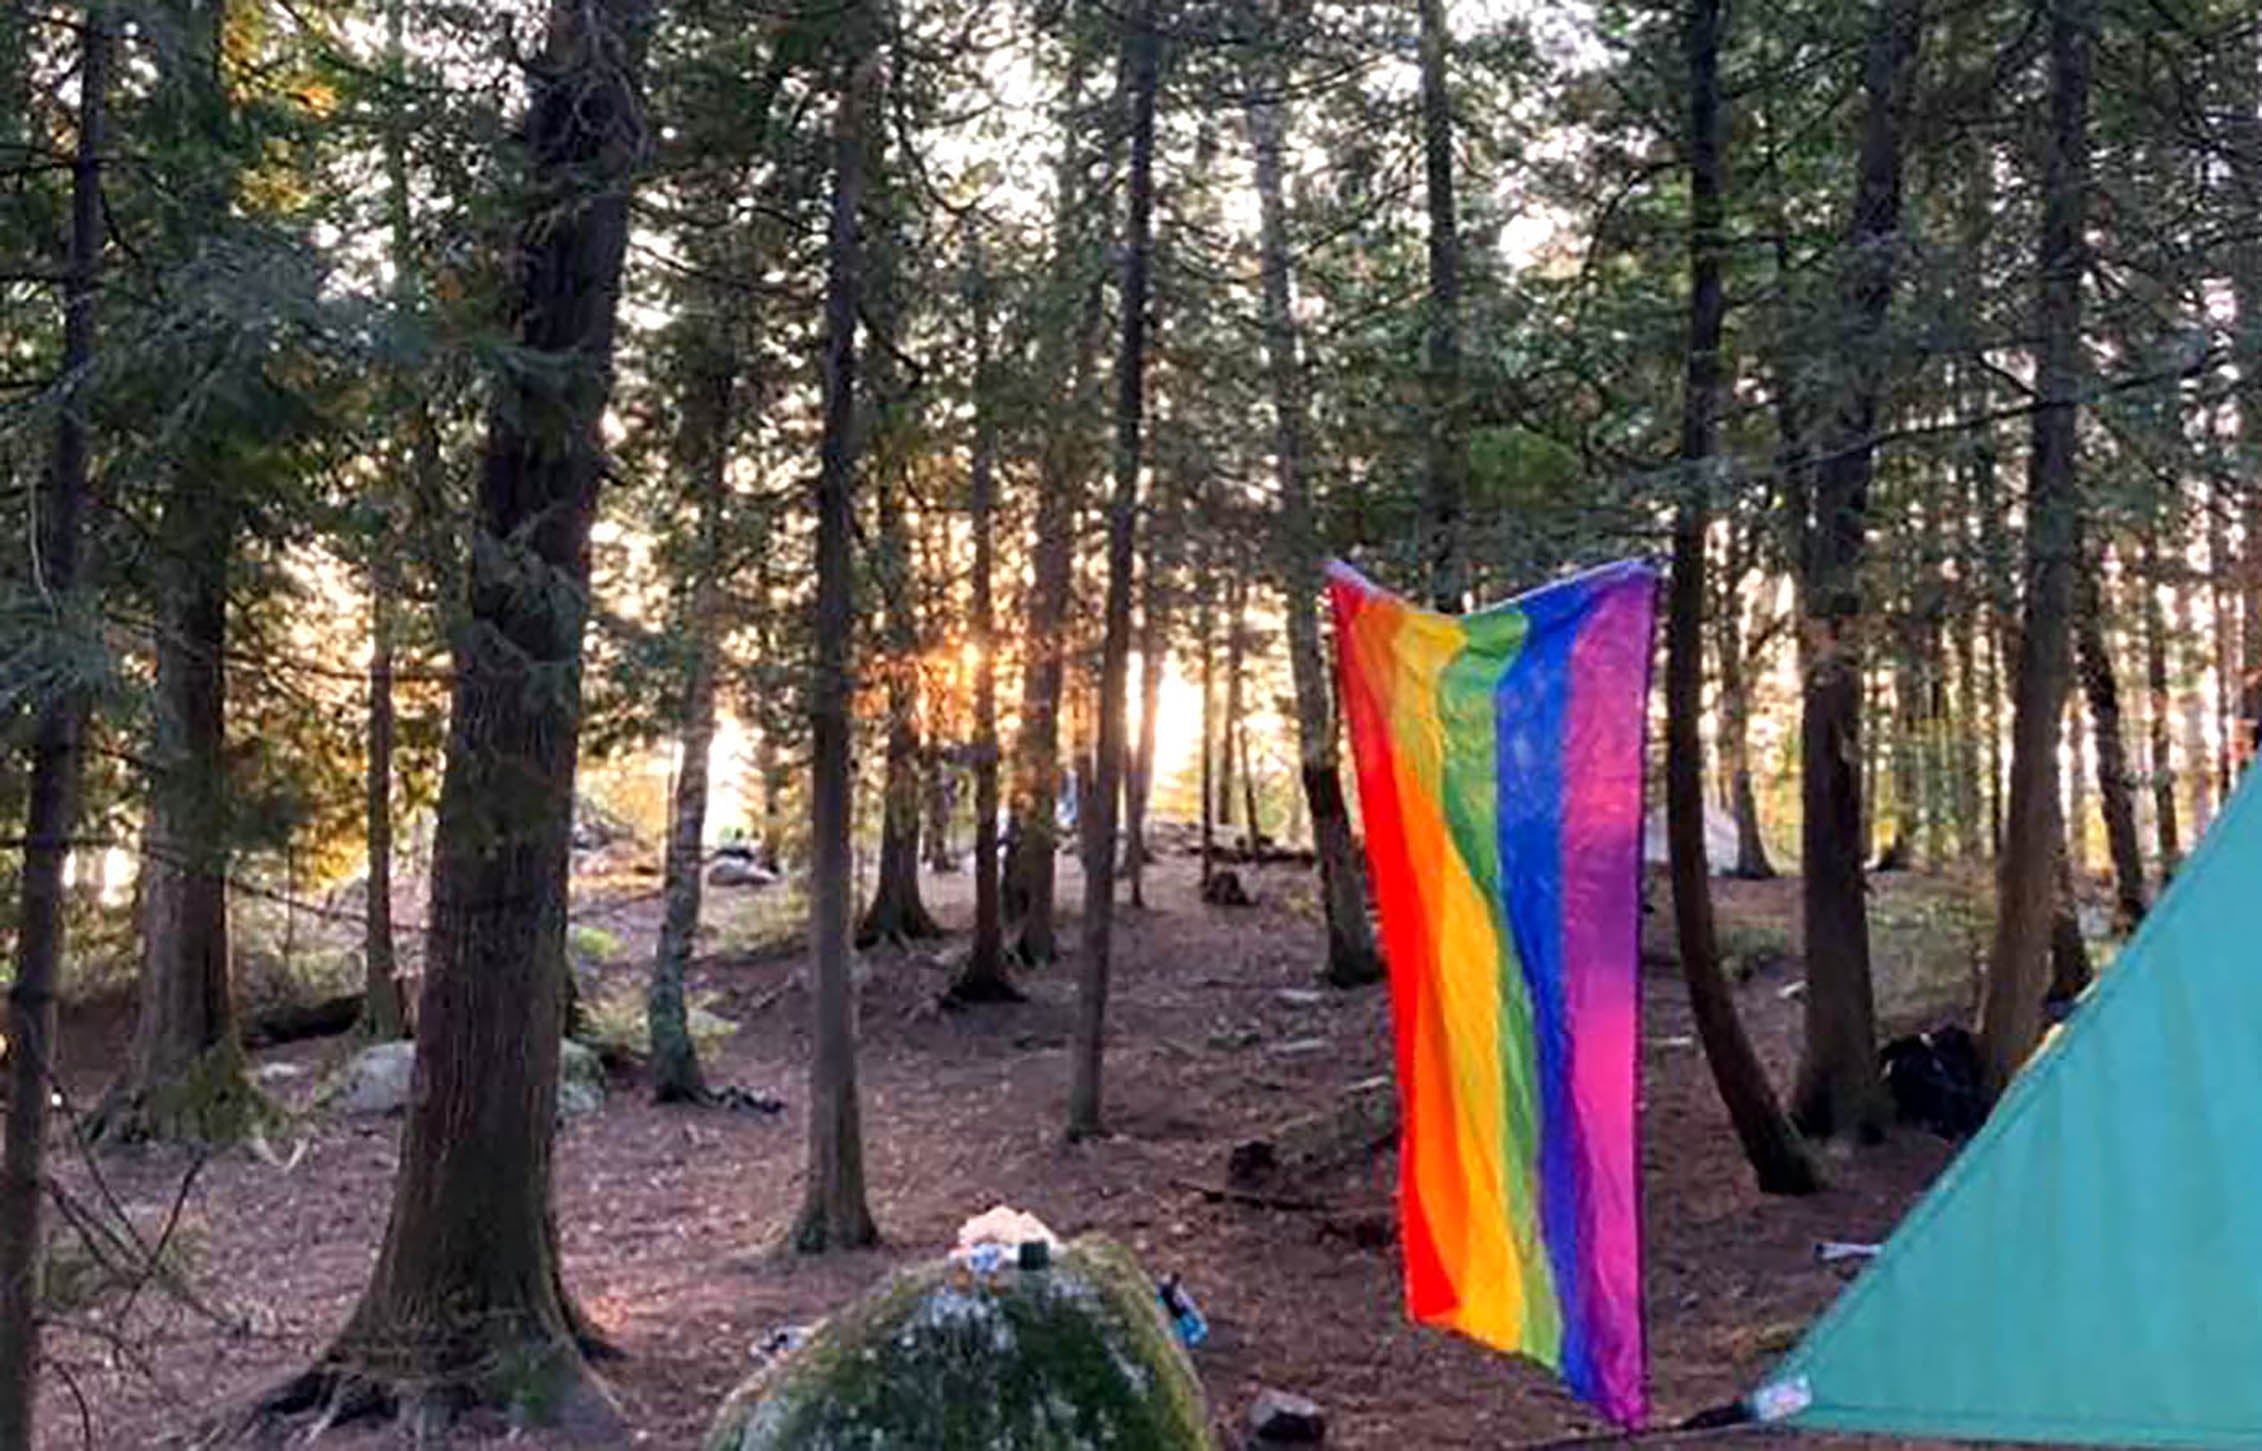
(1075, 1356)
(378, 1080)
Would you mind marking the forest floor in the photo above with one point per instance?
(670, 1217)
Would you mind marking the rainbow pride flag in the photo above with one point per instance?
(1500, 777)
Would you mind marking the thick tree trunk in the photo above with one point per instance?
(2114, 793)
(2011, 1018)
(186, 1078)
(704, 452)
(52, 806)
(983, 978)
(1031, 860)
(1142, 73)
(466, 1305)
(897, 912)
(834, 1214)
(1445, 428)
(1839, 1093)
(1351, 956)
(1769, 1142)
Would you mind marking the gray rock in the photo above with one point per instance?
(581, 1080)
(736, 871)
(1074, 1357)
(376, 1081)
(1278, 1418)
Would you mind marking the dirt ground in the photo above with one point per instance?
(670, 1217)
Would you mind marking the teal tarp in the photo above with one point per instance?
(2090, 1269)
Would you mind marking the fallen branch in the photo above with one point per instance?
(1257, 1198)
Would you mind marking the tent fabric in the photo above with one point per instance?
(2090, 1269)
(1499, 763)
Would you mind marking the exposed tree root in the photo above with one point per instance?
(533, 1383)
(969, 988)
(212, 1103)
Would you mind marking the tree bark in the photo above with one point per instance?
(1445, 428)
(1032, 858)
(1351, 956)
(1769, 1142)
(2114, 793)
(1139, 784)
(897, 912)
(52, 804)
(466, 1306)
(834, 1214)
(2011, 1017)
(1839, 1093)
(2191, 705)
(1205, 626)
(186, 1077)
(383, 1011)
(704, 453)
(1228, 728)
(1142, 73)
(1735, 723)
(983, 978)
(934, 793)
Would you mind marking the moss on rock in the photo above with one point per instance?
(1073, 1357)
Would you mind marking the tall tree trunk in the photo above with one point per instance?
(2191, 705)
(769, 766)
(2011, 1018)
(1769, 1142)
(704, 451)
(1142, 73)
(1139, 782)
(2114, 793)
(983, 978)
(2077, 792)
(1735, 705)
(834, 1214)
(2244, 158)
(52, 807)
(186, 1078)
(466, 1306)
(384, 1015)
(935, 796)
(1351, 956)
(1249, 792)
(1445, 428)
(1973, 715)
(1206, 626)
(2222, 602)
(1229, 727)
(897, 912)
(1838, 1090)
(1032, 858)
